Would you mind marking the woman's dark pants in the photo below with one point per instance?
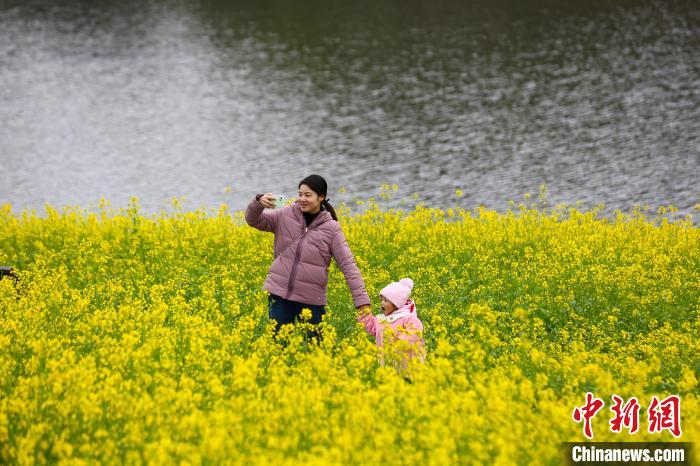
(284, 311)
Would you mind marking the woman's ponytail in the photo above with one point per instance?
(330, 209)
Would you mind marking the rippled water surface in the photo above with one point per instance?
(599, 100)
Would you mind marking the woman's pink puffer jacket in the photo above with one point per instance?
(303, 254)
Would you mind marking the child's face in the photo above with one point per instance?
(387, 306)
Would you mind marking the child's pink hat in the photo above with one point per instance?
(397, 293)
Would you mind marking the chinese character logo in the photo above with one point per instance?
(586, 413)
(626, 415)
(662, 414)
(665, 415)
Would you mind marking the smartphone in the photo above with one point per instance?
(279, 201)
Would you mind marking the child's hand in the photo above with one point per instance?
(367, 320)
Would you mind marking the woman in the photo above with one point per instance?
(307, 235)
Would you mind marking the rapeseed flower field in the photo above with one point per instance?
(133, 338)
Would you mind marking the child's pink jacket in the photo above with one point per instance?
(405, 324)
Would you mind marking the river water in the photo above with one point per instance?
(216, 101)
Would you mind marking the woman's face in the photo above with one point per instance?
(309, 201)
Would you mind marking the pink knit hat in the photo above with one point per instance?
(397, 293)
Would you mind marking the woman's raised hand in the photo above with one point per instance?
(268, 200)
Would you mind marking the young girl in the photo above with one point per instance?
(398, 322)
